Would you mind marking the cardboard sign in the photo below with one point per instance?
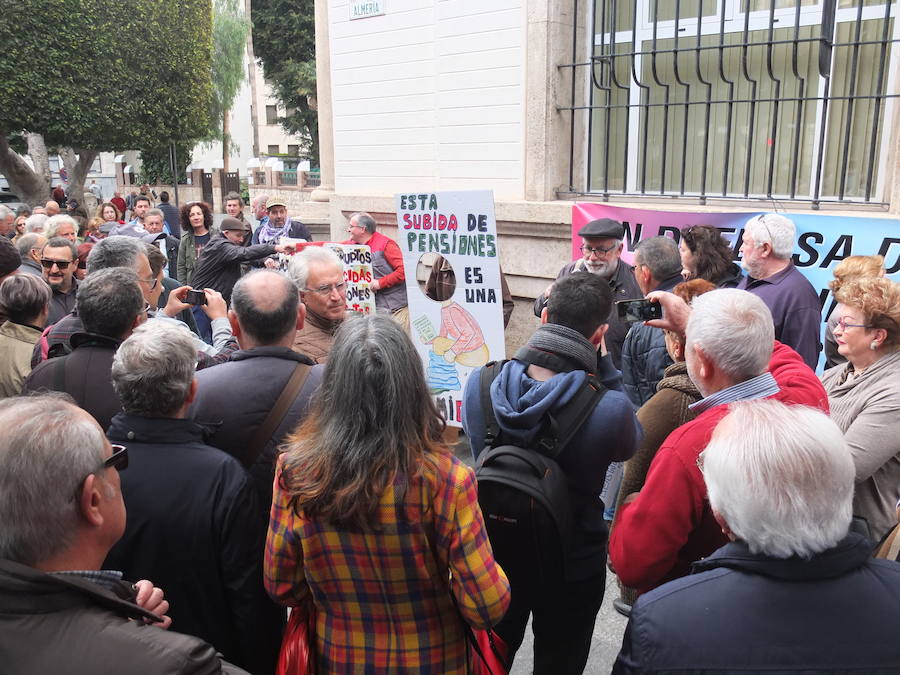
(357, 259)
(449, 242)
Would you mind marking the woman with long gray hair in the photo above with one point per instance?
(375, 523)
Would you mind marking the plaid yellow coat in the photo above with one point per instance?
(383, 598)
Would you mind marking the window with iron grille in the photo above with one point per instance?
(777, 99)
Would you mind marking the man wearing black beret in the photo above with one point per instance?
(601, 247)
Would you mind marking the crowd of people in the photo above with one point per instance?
(195, 436)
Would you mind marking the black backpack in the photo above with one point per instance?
(523, 493)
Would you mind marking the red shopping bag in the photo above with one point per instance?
(489, 654)
(298, 646)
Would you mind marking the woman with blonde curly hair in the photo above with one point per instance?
(854, 267)
(864, 394)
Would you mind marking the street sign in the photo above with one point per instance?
(363, 9)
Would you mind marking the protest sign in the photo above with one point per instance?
(822, 240)
(451, 237)
(357, 259)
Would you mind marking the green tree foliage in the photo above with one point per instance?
(284, 39)
(104, 74)
(229, 36)
(155, 166)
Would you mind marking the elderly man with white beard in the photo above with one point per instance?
(601, 246)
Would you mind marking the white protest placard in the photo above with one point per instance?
(357, 259)
(451, 238)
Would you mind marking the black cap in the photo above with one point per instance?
(602, 228)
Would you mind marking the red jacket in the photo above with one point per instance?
(670, 525)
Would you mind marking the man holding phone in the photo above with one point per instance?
(601, 248)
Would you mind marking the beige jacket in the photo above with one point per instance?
(16, 345)
(867, 409)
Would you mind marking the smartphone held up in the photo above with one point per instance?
(640, 309)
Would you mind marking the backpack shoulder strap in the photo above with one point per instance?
(491, 427)
(561, 427)
(279, 409)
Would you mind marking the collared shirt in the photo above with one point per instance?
(760, 386)
(105, 578)
(796, 311)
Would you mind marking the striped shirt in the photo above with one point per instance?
(382, 597)
(760, 386)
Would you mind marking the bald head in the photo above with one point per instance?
(265, 309)
(51, 208)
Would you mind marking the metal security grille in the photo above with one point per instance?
(774, 99)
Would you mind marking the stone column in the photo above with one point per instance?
(548, 35)
(323, 102)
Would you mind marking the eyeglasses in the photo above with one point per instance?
(590, 250)
(146, 309)
(843, 325)
(118, 459)
(328, 288)
(151, 283)
(61, 264)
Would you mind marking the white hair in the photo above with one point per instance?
(781, 477)
(51, 227)
(774, 229)
(35, 223)
(310, 255)
(735, 331)
(5, 211)
(153, 369)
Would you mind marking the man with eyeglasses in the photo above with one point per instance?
(62, 509)
(110, 305)
(319, 276)
(766, 248)
(389, 283)
(219, 267)
(58, 261)
(601, 248)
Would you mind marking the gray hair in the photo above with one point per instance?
(5, 212)
(114, 252)
(311, 255)
(153, 369)
(781, 477)
(735, 331)
(47, 448)
(108, 301)
(774, 229)
(35, 222)
(61, 242)
(23, 297)
(29, 242)
(660, 255)
(363, 219)
(155, 212)
(232, 196)
(51, 227)
(266, 327)
(339, 465)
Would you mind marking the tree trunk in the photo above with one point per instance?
(23, 181)
(78, 166)
(226, 140)
(251, 59)
(37, 150)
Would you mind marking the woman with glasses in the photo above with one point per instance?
(854, 267)
(375, 523)
(706, 255)
(864, 394)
